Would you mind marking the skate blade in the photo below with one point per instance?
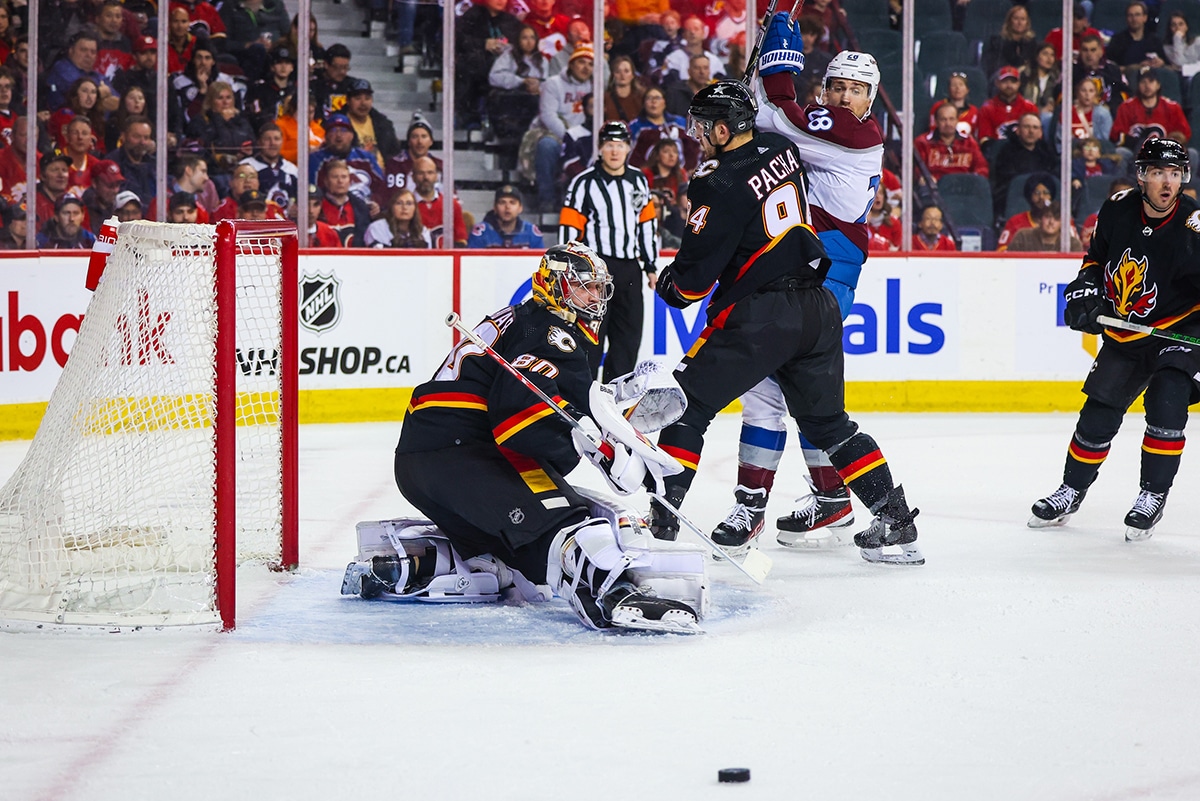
(1037, 522)
(909, 555)
(674, 621)
(1138, 534)
(799, 541)
(352, 581)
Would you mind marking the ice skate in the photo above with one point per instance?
(892, 526)
(663, 524)
(1144, 516)
(372, 579)
(1057, 507)
(627, 607)
(820, 522)
(738, 532)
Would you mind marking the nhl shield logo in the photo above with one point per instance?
(517, 516)
(320, 302)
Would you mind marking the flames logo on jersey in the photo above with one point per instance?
(1126, 285)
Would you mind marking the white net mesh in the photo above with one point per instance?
(110, 518)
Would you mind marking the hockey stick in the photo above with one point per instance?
(756, 565)
(752, 59)
(1161, 333)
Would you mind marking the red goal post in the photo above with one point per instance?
(167, 454)
(232, 236)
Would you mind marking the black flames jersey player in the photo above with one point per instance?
(748, 225)
(749, 234)
(482, 456)
(1143, 266)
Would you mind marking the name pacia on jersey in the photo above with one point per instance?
(778, 169)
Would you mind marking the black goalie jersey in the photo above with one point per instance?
(744, 204)
(472, 399)
(1151, 268)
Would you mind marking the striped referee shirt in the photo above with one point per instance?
(613, 214)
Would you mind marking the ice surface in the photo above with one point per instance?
(1017, 664)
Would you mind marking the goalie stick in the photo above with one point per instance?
(1161, 333)
(755, 566)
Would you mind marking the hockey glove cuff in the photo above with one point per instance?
(782, 47)
(665, 289)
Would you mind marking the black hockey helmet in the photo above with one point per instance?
(1163, 152)
(615, 131)
(724, 101)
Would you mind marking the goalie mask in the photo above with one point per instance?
(573, 282)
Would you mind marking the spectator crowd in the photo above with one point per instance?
(989, 95)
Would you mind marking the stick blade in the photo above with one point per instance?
(757, 565)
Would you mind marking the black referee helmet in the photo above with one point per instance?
(615, 131)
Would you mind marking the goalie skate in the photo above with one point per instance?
(626, 607)
(1144, 516)
(821, 523)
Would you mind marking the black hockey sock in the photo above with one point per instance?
(684, 444)
(1162, 450)
(862, 467)
(1083, 462)
(1166, 401)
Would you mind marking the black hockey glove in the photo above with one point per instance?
(1086, 302)
(665, 289)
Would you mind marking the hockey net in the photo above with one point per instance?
(167, 453)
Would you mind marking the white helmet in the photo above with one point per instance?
(854, 66)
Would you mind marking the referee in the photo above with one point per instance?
(608, 207)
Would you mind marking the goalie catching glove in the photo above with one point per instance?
(782, 47)
(650, 398)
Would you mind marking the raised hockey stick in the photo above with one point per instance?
(752, 59)
(756, 565)
(1161, 333)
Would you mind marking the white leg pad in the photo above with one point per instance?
(481, 579)
(617, 541)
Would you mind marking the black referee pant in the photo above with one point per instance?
(621, 329)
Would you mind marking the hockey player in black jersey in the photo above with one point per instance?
(749, 233)
(1143, 265)
(484, 459)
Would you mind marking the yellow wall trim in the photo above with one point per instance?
(20, 421)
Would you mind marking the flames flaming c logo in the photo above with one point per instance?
(1125, 284)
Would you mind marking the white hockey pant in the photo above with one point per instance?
(764, 412)
(479, 579)
(614, 545)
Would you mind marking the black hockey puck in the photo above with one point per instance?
(732, 775)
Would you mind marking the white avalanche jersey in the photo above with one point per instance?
(842, 154)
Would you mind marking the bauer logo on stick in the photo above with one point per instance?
(320, 302)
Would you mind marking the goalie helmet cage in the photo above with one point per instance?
(167, 453)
